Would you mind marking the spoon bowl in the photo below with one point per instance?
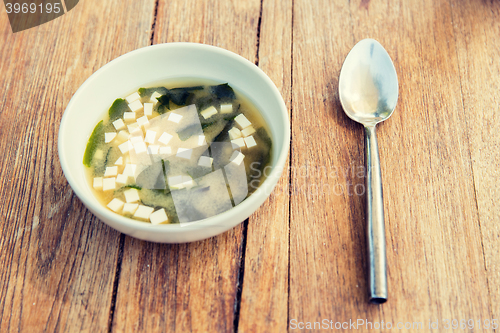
(368, 83)
(368, 90)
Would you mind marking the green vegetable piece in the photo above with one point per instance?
(188, 132)
(164, 100)
(180, 95)
(134, 186)
(204, 102)
(96, 136)
(161, 109)
(262, 134)
(117, 109)
(223, 91)
(203, 126)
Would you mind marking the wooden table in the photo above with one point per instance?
(301, 257)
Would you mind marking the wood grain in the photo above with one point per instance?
(190, 287)
(326, 217)
(264, 299)
(477, 36)
(302, 255)
(58, 261)
(429, 191)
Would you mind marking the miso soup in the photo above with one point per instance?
(178, 152)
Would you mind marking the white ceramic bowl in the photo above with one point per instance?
(152, 64)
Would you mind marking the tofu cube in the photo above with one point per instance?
(119, 161)
(237, 158)
(122, 136)
(150, 136)
(135, 106)
(109, 184)
(132, 128)
(165, 138)
(111, 171)
(201, 140)
(135, 96)
(187, 181)
(234, 133)
(119, 124)
(140, 147)
(165, 151)
(180, 182)
(108, 137)
(129, 116)
(174, 117)
(238, 143)
(125, 147)
(205, 161)
(148, 109)
(130, 208)
(154, 97)
(248, 131)
(154, 149)
(142, 121)
(115, 205)
(122, 179)
(135, 139)
(208, 112)
(175, 182)
(250, 141)
(99, 154)
(131, 195)
(158, 217)
(242, 121)
(184, 153)
(98, 183)
(143, 212)
(226, 108)
(130, 170)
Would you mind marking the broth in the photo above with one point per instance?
(178, 152)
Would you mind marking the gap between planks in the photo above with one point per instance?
(241, 273)
(290, 165)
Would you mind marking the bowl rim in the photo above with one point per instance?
(258, 197)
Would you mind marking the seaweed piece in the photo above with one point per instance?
(106, 160)
(96, 136)
(228, 118)
(179, 96)
(204, 102)
(203, 126)
(161, 109)
(223, 135)
(147, 92)
(133, 186)
(117, 109)
(262, 133)
(188, 132)
(164, 100)
(223, 91)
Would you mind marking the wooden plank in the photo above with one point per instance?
(190, 287)
(436, 267)
(264, 300)
(58, 261)
(477, 34)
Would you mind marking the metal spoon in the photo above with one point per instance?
(368, 89)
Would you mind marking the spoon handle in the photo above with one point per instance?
(377, 266)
